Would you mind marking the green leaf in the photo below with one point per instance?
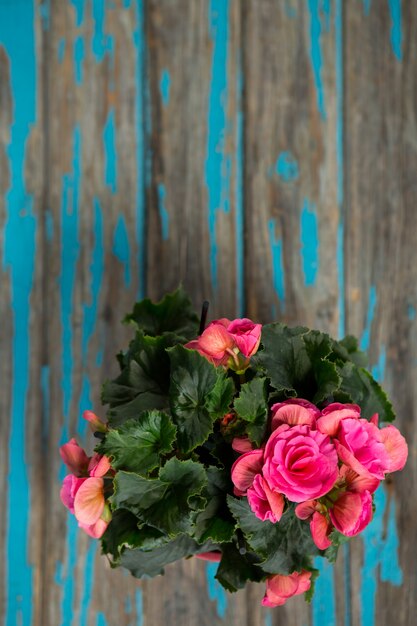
(308, 595)
(296, 361)
(283, 545)
(151, 563)
(235, 569)
(196, 386)
(215, 522)
(174, 313)
(348, 350)
(284, 356)
(168, 502)
(219, 399)
(251, 406)
(337, 540)
(124, 532)
(144, 381)
(137, 445)
(359, 386)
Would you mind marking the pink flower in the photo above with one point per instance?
(247, 335)
(395, 446)
(320, 526)
(69, 489)
(352, 512)
(222, 341)
(294, 411)
(242, 444)
(359, 445)
(333, 414)
(74, 457)
(300, 463)
(244, 470)
(95, 422)
(279, 588)
(265, 503)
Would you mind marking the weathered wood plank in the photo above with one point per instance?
(95, 255)
(21, 189)
(381, 151)
(194, 201)
(293, 178)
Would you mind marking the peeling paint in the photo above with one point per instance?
(366, 335)
(324, 605)
(309, 237)
(315, 8)
(121, 248)
(78, 59)
(396, 28)
(287, 167)
(165, 86)
(110, 152)
(163, 213)
(278, 276)
(215, 590)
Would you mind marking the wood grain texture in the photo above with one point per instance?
(264, 153)
(381, 160)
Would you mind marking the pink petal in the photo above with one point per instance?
(357, 482)
(352, 512)
(247, 335)
(347, 457)
(375, 419)
(245, 468)
(333, 414)
(69, 488)
(292, 412)
(276, 501)
(396, 447)
(215, 340)
(89, 501)
(242, 444)
(304, 510)
(99, 465)
(279, 588)
(320, 528)
(95, 530)
(214, 557)
(74, 457)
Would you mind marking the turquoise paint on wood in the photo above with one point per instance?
(239, 204)
(340, 244)
(309, 236)
(215, 590)
(324, 602)
(79, 11)
(411, 312)
(139, 607)
(102, 43)
(315, 9)
(88, 586)
(287, 167)
(396, 28)
(110, 152)
(217, 166)
(278, 276)
(165, 86)
(366, 335)
(141, 133)
(78, 59)
(20, 232)
(121, 248)
(61, 49)
(163, 213)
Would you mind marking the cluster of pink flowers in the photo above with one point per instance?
(329, 462)
(82, 490)
(228, 343)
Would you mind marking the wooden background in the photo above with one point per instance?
(264, 152)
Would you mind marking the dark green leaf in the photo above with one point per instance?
(308, 595)
(144, 381)
(283, 545)
(122, 532)
(137, 445)
(151, 563)
(167, 502)
(195, 384)
(219, 399)
(337, 540)
(348, 350)
(251, 406)
(235, 569)
(359, 386)
(174, 313)
(215, 521)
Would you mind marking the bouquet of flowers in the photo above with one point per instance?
(258, 447)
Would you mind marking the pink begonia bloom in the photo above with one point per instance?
(352, 512)
(223, 339)
(70, 486)
(395, 446)
(300, 462)
(333, 414)
(265, 503)
(359, 445)
(99, 465)
(89, 501)
(242, 444)
(280, 588)
(74, 457)
(95, 422)
(320, 526)
(215, 556)
(294, 411)
(247, 335)
(357, 482)
(95, 530)
(244, 470)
